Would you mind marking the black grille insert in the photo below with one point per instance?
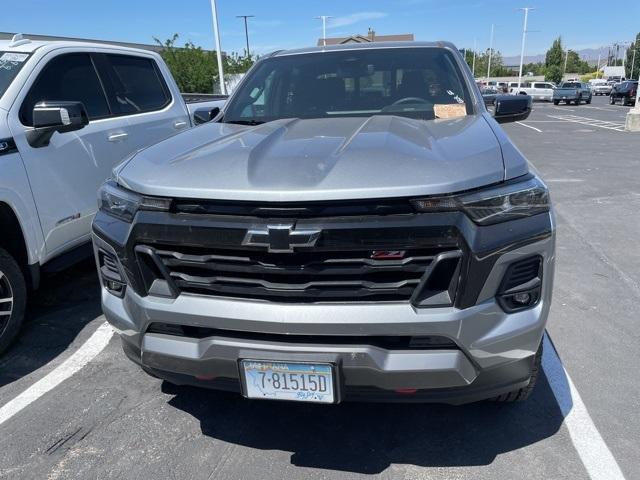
(297, 277)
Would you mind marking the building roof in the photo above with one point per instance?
(371, 36)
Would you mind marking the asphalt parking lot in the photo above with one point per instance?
(110, 420)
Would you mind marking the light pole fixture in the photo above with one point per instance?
(324, 19)
(216, 33)
(524, 37)
(246, 30)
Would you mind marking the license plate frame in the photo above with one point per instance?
(326, 369)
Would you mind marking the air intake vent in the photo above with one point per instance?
(521, 273)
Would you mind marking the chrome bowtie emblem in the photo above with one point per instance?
(281, 238)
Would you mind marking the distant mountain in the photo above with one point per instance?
(589, 54)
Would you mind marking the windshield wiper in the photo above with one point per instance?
(245, 122)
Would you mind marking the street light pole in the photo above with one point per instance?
(246, 30)
(216, 33)
(490, 53)
(524, 36)
(566, 57)
(324, 19)
(473, 68)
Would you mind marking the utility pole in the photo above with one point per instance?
(598, 67)
(490, 53)
(216, 33)
(524, 36)
(246, 31)
(633, 62)
(473, 68)
(566, 57)
(324, 19)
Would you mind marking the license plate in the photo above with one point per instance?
(302, 382)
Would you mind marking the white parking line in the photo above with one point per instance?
(87, 352)
(592, 122)
(592, 450)
(529, 126)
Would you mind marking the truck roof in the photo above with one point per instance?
(362, 46)
(26, 45)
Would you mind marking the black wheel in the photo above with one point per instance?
(578, 100)
(556, 102)
(588, 101)
(612, 100)
(523, 393)
(567, 102)
(13, 299)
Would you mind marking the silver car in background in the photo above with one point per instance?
(353, 225)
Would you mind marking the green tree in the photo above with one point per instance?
(630, 63)
(195, 69)
(482, 61)
(575, 64)
(555, 55)
(553, 73)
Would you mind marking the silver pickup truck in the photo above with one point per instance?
(575, 92)
(353, 225)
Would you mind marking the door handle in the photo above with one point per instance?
(179, 124)
(114, 137)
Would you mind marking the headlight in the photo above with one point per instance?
(494, 205)
(124, 204)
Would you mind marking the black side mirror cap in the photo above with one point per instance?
(204, 115)
(512, 108)
(50, 117)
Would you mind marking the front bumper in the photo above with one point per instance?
(493, 350)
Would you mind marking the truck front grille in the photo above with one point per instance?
(303, 276)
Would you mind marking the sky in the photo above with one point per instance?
(289, 24)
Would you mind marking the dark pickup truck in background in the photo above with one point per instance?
(624, 92)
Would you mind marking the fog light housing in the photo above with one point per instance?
(521, 286)
(516, 301)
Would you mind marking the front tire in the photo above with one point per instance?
(523, 393)
(13, 299)
(612, 100)
(556, 102)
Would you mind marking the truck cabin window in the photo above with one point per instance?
(411, 82)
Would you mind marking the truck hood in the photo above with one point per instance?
(319, 159)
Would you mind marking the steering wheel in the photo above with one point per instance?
(404, 100)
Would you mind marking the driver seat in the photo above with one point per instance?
(413, 85)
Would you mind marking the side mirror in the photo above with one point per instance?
(512, 108)
(51, 117)
(205, 115)
(489, 99)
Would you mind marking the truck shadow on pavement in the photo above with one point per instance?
(56, 313)
(368, 438)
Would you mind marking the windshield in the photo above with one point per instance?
(570, 85)
(10, 65)
(420, 83)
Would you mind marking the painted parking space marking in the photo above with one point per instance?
(589, 444)
(87, 352)
(529, 126)
(591, 122)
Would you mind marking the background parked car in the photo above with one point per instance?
(569, 92)
(537, 90)
(600, 87)
(624, 92)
